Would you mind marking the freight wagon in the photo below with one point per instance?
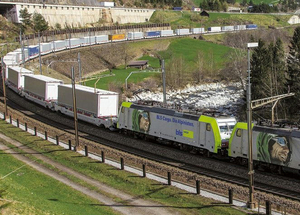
(135, 35)
(46, 48)
(150, 34)
(101, 39)
(33, 51)
(227, 28)
(59, 45)
(183, 31)
(89, 40)
(99, 107)
(41, 90)
(74, 42)
(166, 33)
(15, 78)
(251, 26)
(214, 29)
(197, 30)
(116, 37)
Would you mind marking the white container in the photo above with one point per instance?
(183, 31)
(74, 42)
(214, 29)
(15, 78)
(41, 89)
(25, 54)
(240, 27)
(227, 28)
(107, 4)
(99, 108)
(59, 45)
(165, 33)
(46, 48)
(197, 30)
(101, 39)
(101, 103)
(89, 40)
(135, 35)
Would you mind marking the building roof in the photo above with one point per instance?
(138, 63)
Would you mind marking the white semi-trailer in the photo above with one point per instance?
(99, 107)
(135, 35)
(15, 78)
(41, 90)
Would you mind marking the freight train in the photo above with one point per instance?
(30, 52)
(276, 149)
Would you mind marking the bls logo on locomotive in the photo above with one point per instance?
(178, 133)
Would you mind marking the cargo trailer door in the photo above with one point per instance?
(51, 92)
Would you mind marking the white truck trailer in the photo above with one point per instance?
(41, 90)
(15, 78)
(183, 31)
(166, 33)
(135, 35)
(101, 39)
(96, 106)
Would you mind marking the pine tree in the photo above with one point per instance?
(26, 17)
(39, 22)
(259, 71)
(293, 74)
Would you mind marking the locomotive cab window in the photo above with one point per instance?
(208, 127)
(238, 132)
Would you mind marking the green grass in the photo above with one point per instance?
(32, 192)
(183, 19)
(32, 189)
(188, 48)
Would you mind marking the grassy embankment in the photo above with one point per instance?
(188, 48)
(35, 193)
(185, 19)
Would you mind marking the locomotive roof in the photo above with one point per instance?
(165, 111)
(278, 131)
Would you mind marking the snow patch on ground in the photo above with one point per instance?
(214, 96)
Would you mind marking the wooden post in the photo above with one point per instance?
(122, 163)
(18, 124)
(70, 145)
(46, 135)
(144, 170)
(169, 178)
(103, 156)
(86, 151)
(198, 187)
(57, 140)
(268, 207)
(35, 131)
(230, 193)
(26, 129)
(10, 120)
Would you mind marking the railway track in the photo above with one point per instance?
(104, 137)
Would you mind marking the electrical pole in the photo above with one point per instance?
(164, 82)
(250, 203)
(40, 58)
(75, 110)
(4, 87)
(79, 67)
(22, 48)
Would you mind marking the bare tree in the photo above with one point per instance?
(236, 67)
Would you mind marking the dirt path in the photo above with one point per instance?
(132, 204)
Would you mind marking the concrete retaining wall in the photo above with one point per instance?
(81, 16)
